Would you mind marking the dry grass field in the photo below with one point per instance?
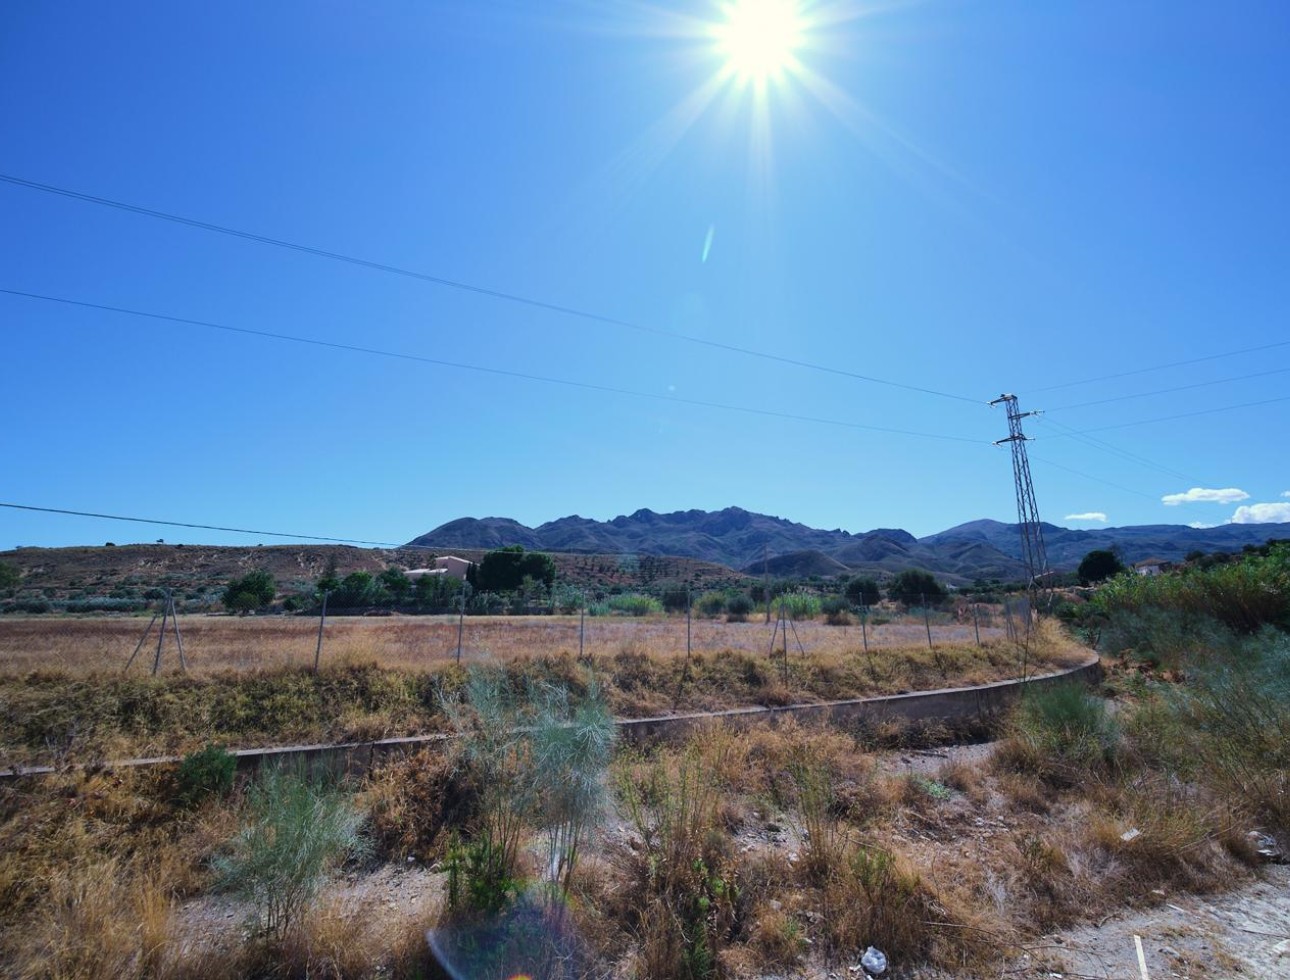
(68, 698)
(214, 643)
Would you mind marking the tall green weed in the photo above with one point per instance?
(296, 830)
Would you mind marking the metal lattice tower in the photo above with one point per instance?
(1032, 536)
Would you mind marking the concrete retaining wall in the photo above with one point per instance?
(951, 706)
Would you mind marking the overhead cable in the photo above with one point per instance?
(469, 287)
(1161, 367)
(1171, 418)
(484, 369)
(1106, 447)
(1095, 479)
(1170, 391)
(203, 527)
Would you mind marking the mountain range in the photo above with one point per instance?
(748, 541)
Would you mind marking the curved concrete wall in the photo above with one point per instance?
(960, 705)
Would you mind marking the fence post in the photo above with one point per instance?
(156, 663)
(461, 623)
(864, 626)
(784, 621)
(975, 625)
(927, 621)
(322, 620)
(582, 622)
(688, 602)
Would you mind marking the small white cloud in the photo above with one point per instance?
(1201, 527)
(1262, 514)
(1092, 515)
(1200, 495)
(1285, 493)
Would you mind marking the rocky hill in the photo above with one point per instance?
(741, 539)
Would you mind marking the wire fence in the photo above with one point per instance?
(500, 627)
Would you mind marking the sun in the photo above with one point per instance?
(759, 39)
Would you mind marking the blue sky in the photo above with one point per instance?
(965, 197)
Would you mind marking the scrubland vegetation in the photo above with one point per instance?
(772, 851)
(55, 716)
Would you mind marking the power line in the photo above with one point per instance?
(1162, 367)
(1171, 418)
(469, 287)
(1169, 391)
(1095, 479)
(205, 527)
(1106, 447)
(483, 369)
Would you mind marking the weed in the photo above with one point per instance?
(688, 897)
(571, 748)
(824, 841)
(1061, 733)
(296, 830)
(413, 803)
(208, 772)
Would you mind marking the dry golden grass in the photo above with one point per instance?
(94, 867)
(214, 643)
(70, 710)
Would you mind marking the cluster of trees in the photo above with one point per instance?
(511, 579)
(507, 569)
(1099, 565)
(252, 591)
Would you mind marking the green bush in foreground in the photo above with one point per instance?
(1061, 732)
(295, 832)
(208, 772)
(1234, 716)
(1244, 596)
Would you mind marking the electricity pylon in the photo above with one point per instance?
(1032, 535)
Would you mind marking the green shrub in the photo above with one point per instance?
(863, 591)
(914, 587)
(711, 604)
(738, 606)
(1164, 636)
(1234, 718)
(1060, 732)
(634, 604)
(1243, 595)
(800, 605)
(208, 772)
(836, 609)
(296, 830)
(481, 877)
(540, 760)
(252, 591)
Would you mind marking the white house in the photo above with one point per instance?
(1150, 566)
(453, 566)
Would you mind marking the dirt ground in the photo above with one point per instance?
(1244, 933)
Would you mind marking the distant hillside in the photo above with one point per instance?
(637, 551)
(201, 571)
(1067, 547)
(738, 538)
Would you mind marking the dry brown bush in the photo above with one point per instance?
(415, 803)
